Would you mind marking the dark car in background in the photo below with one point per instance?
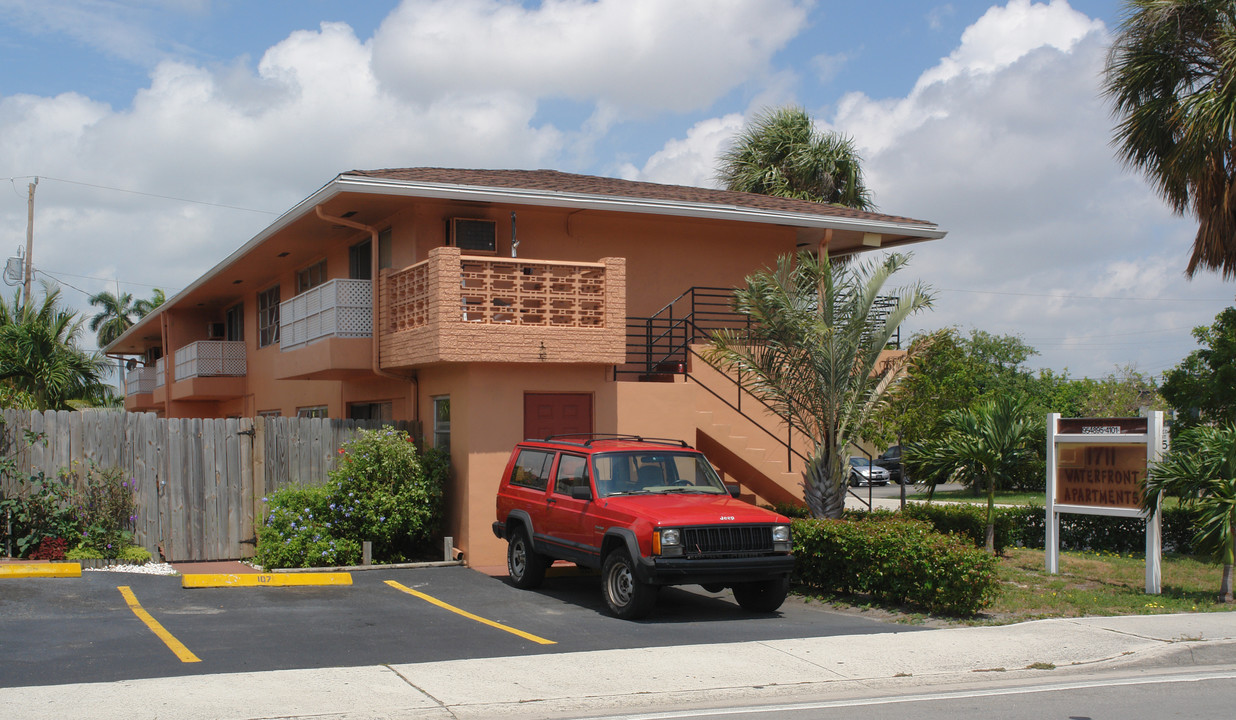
(890, 460)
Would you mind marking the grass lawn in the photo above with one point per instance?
(1088, 584)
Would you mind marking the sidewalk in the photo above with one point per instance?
(657, 679)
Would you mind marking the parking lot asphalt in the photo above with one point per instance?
(80, 630)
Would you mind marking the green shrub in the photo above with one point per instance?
(42, 509)
(82, 552)
(106, 510)
(1102, 532)
(790, 510)
(967, 520)
(894, 560)
(134, 554)
(386, 492)
(299, 533)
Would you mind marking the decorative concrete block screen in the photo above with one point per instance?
(502, 292)
(337, 308)
(211, 358)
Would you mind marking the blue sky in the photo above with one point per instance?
(983, 117)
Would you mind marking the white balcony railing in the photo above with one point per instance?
(140, 381)
(160, 372)
(211, 358)
(336, 308)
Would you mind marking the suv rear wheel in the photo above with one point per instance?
(627, 597)
(525, 566)
(764, 596)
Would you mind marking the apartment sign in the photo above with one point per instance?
(1098, 466)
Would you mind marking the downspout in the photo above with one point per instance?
(169, 368)
(376, 347)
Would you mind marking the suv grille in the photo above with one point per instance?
(727, 541)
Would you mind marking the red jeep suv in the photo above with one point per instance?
(646, 512)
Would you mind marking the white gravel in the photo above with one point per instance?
(147, 569)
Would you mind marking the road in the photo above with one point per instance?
(82, 630)
(1147, 694)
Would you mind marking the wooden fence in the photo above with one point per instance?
(198, 483)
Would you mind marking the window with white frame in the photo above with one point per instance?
(268, 316)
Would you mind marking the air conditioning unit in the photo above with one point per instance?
(215, 331)
(475, 236)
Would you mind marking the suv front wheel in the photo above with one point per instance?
(525, 566)
(627, 597)
(764, 596)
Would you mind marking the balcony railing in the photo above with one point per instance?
(515, 292)
(160, 372)
(463, 308)
(140, 381)
(336, 308)
(211, 358)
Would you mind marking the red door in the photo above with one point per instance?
(548, 414)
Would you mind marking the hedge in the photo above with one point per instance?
(894, 560)
(1025, 526)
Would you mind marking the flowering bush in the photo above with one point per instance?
(383, 491)
(299, 532)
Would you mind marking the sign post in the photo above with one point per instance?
(1097, 466)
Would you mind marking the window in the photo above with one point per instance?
(360, 259)
(269, 413)
(532, 469)
(310, 277)
(369, 411)
(442, 423)
(268, 317)
(234, 322)
(316, 411)
(572, 473)
(474, 236)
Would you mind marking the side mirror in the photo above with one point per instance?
(733, 490)
(581, 492)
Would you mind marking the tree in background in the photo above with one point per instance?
(983, 445)
(40, 355)
(813, 355)
(781, 153)
(144, 306)
(1171, 79)
(116, 316)
(1202, 388)
(1200, 469)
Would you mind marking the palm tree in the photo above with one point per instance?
(983, 444)
(813, 354)
(116, 316)
(145, 306)
(780, 153)
(40, 354)
(1201, 469)
(1171, 79)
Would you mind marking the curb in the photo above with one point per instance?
(204, 580)
(362, 568)
(53, 570)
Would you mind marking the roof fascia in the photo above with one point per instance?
(613, 203)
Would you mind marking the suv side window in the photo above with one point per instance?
(572, 472)
(532, 469)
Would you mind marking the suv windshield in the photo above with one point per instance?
(634, 473)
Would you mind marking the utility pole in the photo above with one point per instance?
(29, 241)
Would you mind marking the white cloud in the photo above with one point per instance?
(640, 55)
(691, 161)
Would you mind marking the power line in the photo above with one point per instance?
(153, 195)
(103, 279)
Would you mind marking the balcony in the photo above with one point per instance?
(139, 387)
(326, 333)
(455, 308)
(210, 370)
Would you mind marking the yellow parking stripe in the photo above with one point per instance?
(470, 616)
(206, 580)
(168, 639)
(41, 570)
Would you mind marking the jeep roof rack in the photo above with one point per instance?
(593, 437)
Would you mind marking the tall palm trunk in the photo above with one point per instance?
(991, 522)
(823, 488)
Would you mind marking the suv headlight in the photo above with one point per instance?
(781, 538)
(667, 542)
